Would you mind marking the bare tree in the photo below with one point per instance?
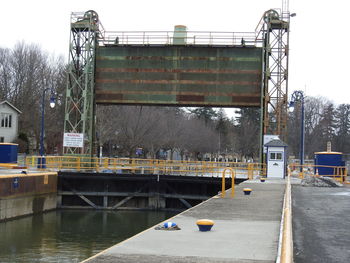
(25, 71)
(131, 127)
(200, 138)
(5, 74)
(248, 132)
(342, 140)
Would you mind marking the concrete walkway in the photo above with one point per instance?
(246, 230)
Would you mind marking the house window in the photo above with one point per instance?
(276, 156)
(6, 120)
(2, 139)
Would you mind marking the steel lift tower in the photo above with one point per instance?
(273, 31)
(80, 106)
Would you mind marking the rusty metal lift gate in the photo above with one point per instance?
(221, 69)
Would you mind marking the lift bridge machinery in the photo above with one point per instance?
(179, 68)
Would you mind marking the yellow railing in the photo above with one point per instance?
(8, 165)
(223, 182)
(338, 173)
(148, 166)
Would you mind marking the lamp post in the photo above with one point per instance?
(41, 160)
(298, 96)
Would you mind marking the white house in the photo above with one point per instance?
(8, 122)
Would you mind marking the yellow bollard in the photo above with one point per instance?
(232, 183)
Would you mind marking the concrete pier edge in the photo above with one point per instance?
(277, 237)
(152, 227)
(285, 243)
(23, 194)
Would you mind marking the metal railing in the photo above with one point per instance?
(164, 37)
(338, 173)
(223, 182)
(148, 166)
(8, 165)
(167, 38)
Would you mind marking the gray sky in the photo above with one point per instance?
(317, 60)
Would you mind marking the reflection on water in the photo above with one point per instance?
(70, 236)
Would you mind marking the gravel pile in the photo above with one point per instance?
(319, 182)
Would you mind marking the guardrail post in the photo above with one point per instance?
(96, 162)
(338, 174)
(165, 166)
(301, 173)
(133, 166)
(342, 174)
(78, 164)
(151, 165)
(223, 185)
(204, 168)
(232, 183)
(345, 173)
(105, 163)
(250, 171)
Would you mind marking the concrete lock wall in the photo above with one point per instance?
(15, 207)
(27, 194)
(134, 191)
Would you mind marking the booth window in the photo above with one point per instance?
(276, 156)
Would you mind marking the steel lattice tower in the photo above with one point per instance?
(273, 31)
(80, 106)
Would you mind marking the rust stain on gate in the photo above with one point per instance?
(179, 75)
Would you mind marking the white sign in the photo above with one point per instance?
(73, 140)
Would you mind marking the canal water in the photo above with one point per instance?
(70, 235)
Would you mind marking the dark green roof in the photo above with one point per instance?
(276, 143)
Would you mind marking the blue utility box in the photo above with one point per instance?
(8, 153)
(330, 159)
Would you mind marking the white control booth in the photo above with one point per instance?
(276, 158)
